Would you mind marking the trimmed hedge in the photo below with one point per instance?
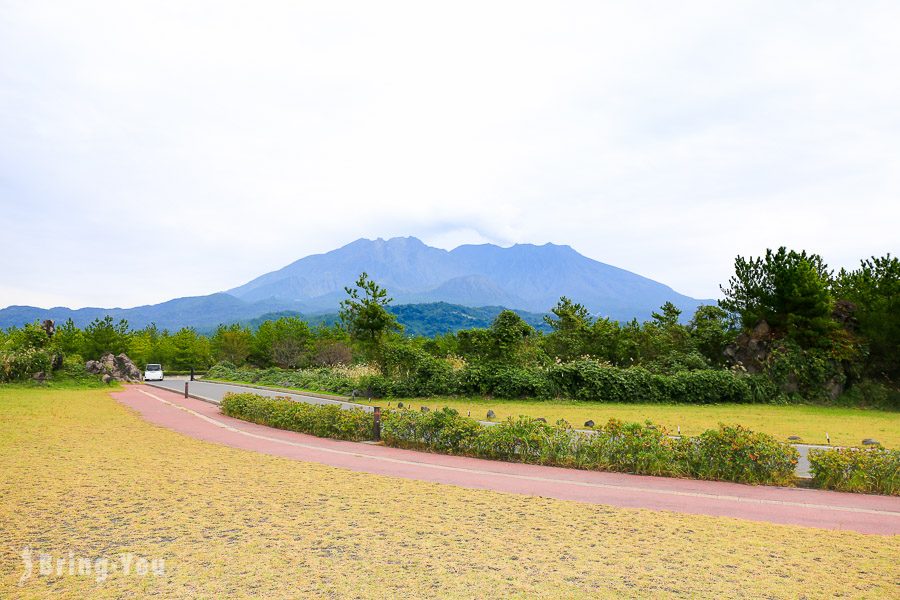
(729, 453)
(593, 381)
(322, 420)
(588, 380)
(724, 454)
(869, 471)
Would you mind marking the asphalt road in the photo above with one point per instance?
(796, 506)
(214, 392)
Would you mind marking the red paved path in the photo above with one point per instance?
(811, 508)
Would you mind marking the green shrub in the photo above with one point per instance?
(806, 373)
(728, 454)
(73, 372)
(871, 471)
(733, 453)
(595, 381)
(524, 440)
(644, 449)
(21, 364)
(442, 431)
(873, 394)
(417, 374)
(516, 382)
(322, 420)
(325, 379)
(708, 387)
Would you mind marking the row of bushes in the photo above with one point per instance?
(583, 380)
(324, 379)
(870, 471)
(724, 454)
(322, 420)
(590, 380)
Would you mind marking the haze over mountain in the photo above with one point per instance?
(523, 277)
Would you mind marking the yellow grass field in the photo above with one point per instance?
(81, 474)
(845, 426)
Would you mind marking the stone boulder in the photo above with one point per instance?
(751, 349)
(118, 368)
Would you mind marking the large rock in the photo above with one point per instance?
(751, 349)
(118, 367)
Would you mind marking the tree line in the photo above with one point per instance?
(820, 327)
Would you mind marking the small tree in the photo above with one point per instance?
(30, 337)
(331, 354)
(143, 347)
(604, 338)
(365, 316)
(788, 290)
(231, 343)
(711, 330)
(189, 350)
(571, 328)
(874, 291)
(506, 341)
(103, 336)
(69, 338)
(664, 344)
(290, 341)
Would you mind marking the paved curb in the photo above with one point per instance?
(156, 384)
(337, 397)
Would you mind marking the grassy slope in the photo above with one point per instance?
(80, 473)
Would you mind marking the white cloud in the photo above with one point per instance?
(218, 141)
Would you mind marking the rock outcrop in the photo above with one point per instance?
(751, 353)
(119, 368)
(751, 349)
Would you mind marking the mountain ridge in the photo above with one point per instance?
(524, 277)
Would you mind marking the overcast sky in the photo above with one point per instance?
(150, 150)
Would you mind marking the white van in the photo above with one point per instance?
(153, 373)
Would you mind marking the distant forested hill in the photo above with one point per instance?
(440, 317)
(427, 320)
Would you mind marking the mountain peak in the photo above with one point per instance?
(526, 277)
(394, 241)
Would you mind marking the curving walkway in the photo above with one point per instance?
(214, 391)
(794, 506)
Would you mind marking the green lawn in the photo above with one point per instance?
(845, 426)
